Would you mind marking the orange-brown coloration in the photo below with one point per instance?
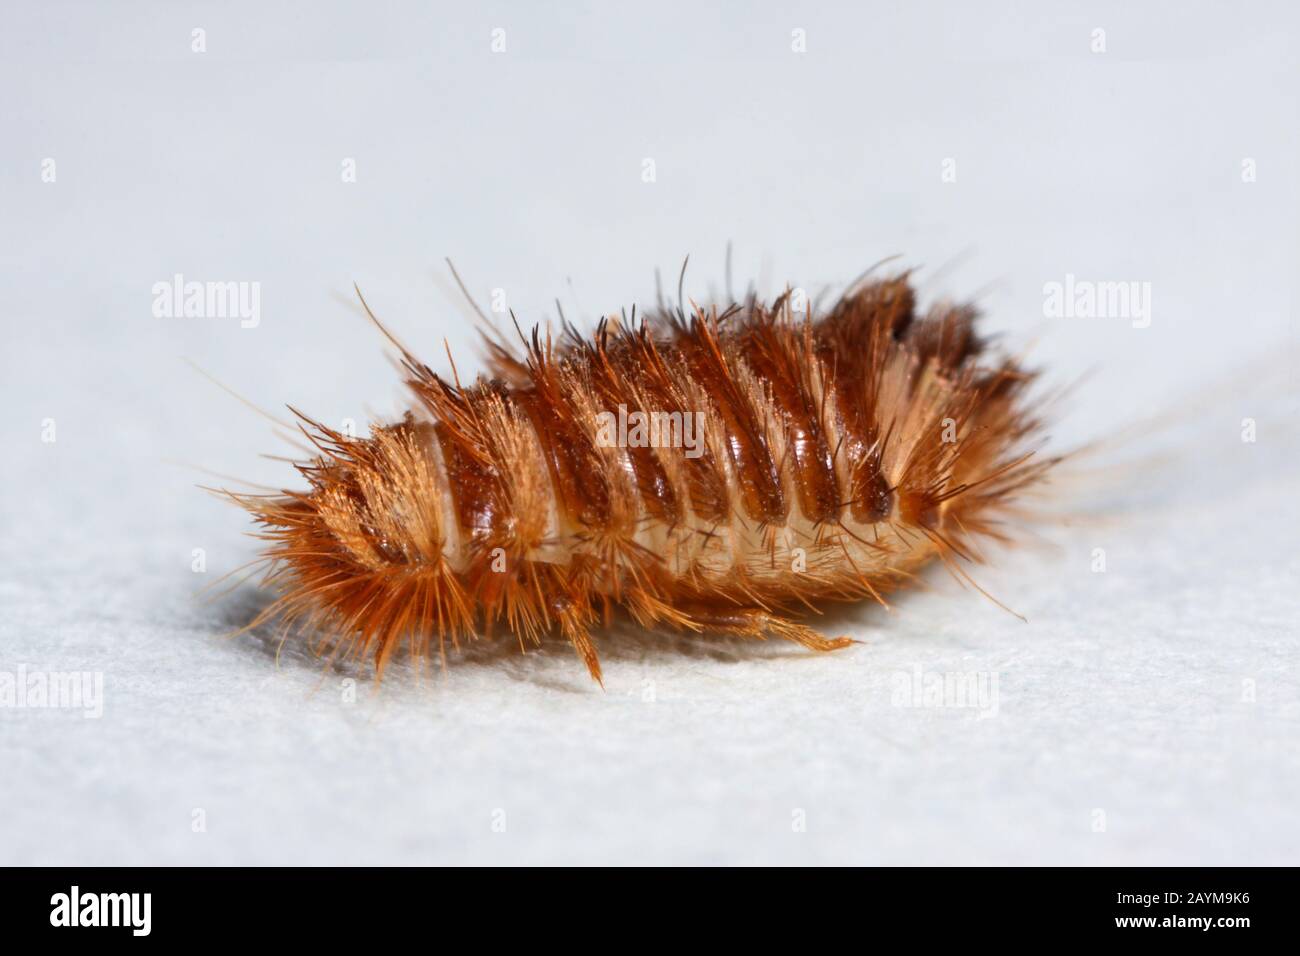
(839, 455)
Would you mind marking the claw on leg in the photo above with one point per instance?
(759, 624)
(580, 637)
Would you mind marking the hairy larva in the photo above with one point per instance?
(723, 470)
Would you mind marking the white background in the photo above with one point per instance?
(1159, 698)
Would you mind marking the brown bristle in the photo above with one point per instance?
(836, 456)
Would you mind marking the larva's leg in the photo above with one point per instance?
(574, 627)
(758, 624)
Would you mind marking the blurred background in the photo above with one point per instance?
(1146, 713)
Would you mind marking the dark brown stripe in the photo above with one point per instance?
(614, 369)
(779, 356)
(751, 459)
(644, 363)
(576, 471)
(473, 486)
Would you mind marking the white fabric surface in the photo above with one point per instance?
(1158, 698)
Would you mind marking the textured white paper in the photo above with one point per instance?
(1144, 714)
